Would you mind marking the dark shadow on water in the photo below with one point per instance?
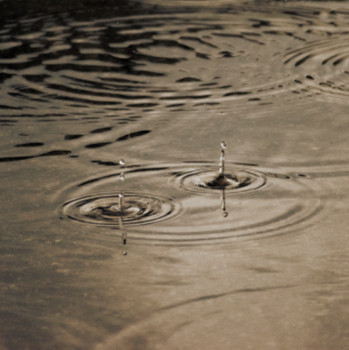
(132, 135)
(46, 154)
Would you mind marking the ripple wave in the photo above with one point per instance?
(62, 64)
(187, 213)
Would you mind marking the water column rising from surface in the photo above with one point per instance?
(121, 196)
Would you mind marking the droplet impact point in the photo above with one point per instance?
(223, 181)
(136, 209)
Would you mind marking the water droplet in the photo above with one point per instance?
(234, 180)
(124, 252)
(124, 238)
(122, 177)
(222, 160)
(104, 209)
(223, 204)
(122, 162)
(121, 196)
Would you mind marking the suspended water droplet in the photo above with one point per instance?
(121, 196)
(222, 159)
(122, 174)
(124, 238)
(124, 252)
(223, 204)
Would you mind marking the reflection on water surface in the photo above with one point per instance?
(117, 232)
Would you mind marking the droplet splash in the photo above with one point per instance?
(182, 217)
(222, 160)
(227, 179)
(103, 209)
(205, 181)
(231, 180)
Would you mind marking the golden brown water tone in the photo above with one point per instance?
(133, 99)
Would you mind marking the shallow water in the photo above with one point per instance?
(114, 232)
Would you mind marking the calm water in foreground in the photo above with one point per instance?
(113, 235)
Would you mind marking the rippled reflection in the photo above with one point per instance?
(63, 64)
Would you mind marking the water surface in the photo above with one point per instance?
(125, 106)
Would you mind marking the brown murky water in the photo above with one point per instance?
(116, 233)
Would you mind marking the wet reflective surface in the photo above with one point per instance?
(126, 222)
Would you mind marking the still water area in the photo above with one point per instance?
(174, 175)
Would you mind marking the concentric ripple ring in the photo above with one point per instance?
(103, 209)
(190, 207)
(205, 180)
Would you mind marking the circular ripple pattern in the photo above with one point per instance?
(260, 204)
(333, 51)
(63, 65)
(324, 65)
(206, 181)
(104, 209)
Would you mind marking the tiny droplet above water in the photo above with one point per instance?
(121, 196)
(124, 238)
(124, 252)
(222, 160)
(122, 162)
